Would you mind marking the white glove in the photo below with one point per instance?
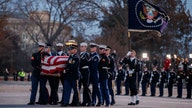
(130, 72)
(128, 53)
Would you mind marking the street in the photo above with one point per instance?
(17, 94)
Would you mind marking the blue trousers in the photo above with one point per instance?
(118, 85)
(144, 88)
(44, 94)
(179, 89)
(68, 85)
(34, 85)
(105, 91)
(161, 88)
(127, 86)
(153, 88)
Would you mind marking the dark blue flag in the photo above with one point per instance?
(145, 16)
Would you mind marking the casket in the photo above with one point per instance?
(53, 65)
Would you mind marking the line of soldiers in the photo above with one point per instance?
(164, 78)
(89, 68)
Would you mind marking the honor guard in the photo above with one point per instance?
(35, 78)
(125, 67)
(133, 71)
(60, 52)
(189, 82)
(145, 80)
(103, 74)
(120, 78)
(154, 78)
(85, 74)
(162, 80)
(111, 73)
(179, 80)
(71, 76)
(171, 76)
(94, 76)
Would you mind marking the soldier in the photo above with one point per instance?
(126, 83)
(71, 77)
(154, 78)
(189, 83)
(133, 71)
(145, 80)
(120, 78)
(111, 73)
(162, 80)
(171, 75)
(60, 52)
(103, 74)
(180, 77)
(85, 73)
(94, 77)
(35, 78)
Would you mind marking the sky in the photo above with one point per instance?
(189, 5)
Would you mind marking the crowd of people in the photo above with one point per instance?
(99, 68)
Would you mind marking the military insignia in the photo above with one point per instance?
(32, 58)
(70, 61)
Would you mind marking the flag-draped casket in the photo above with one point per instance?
(53, 65)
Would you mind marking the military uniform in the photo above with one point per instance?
(170, 81)
(111, 78)
(71, 77)
(35, 78)
(103, 77)
(120, 78)
(85, 73)
(154, 78)
(94, 77)
(145, 81)
(189, 84)
(162, 80)
(180, 77)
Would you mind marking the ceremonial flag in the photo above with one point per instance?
(52, 64)
(145, 16)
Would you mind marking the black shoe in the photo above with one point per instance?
(64, 105)
(143, 95)
(160, 95)
(137, 102)
(179, 97)
(113, 102)
(60, 102)
(188, 97)
(169, 96)
(107, 105)
(99, 104)
(89, 104)
(152, 95)
(131, 103)
(31, 103)
(83, 104)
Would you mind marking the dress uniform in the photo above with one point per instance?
(111, 73)
(179, 80)
(171, 75)
(60, 52)
(103, 74)
(85, 74)
(126, 75)
(145, 80)
(189, 83)
(120, 78)
(94, 76)
(162, 80)
(133, 71)
(154, 78)
(35, 78)
(71, 77)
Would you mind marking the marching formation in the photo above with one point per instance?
(100, 69)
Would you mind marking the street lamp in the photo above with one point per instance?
(190, 55)
(168, 56)
(145, 55)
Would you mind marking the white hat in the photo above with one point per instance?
(103, 46)
(83, 44)
(93, 44)
(41, 44)
(59, 44)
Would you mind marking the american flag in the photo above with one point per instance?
(52, 64)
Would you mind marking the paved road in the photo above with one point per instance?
(16, 94)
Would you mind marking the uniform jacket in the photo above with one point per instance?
(103, 67)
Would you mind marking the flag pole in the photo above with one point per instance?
(128, 32)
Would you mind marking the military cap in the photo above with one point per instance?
(93, 45)
(72, 46)
(102, 46)
(40, 44)
(83, 44)
(48, 45)
(59, 44)
(108, 47)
